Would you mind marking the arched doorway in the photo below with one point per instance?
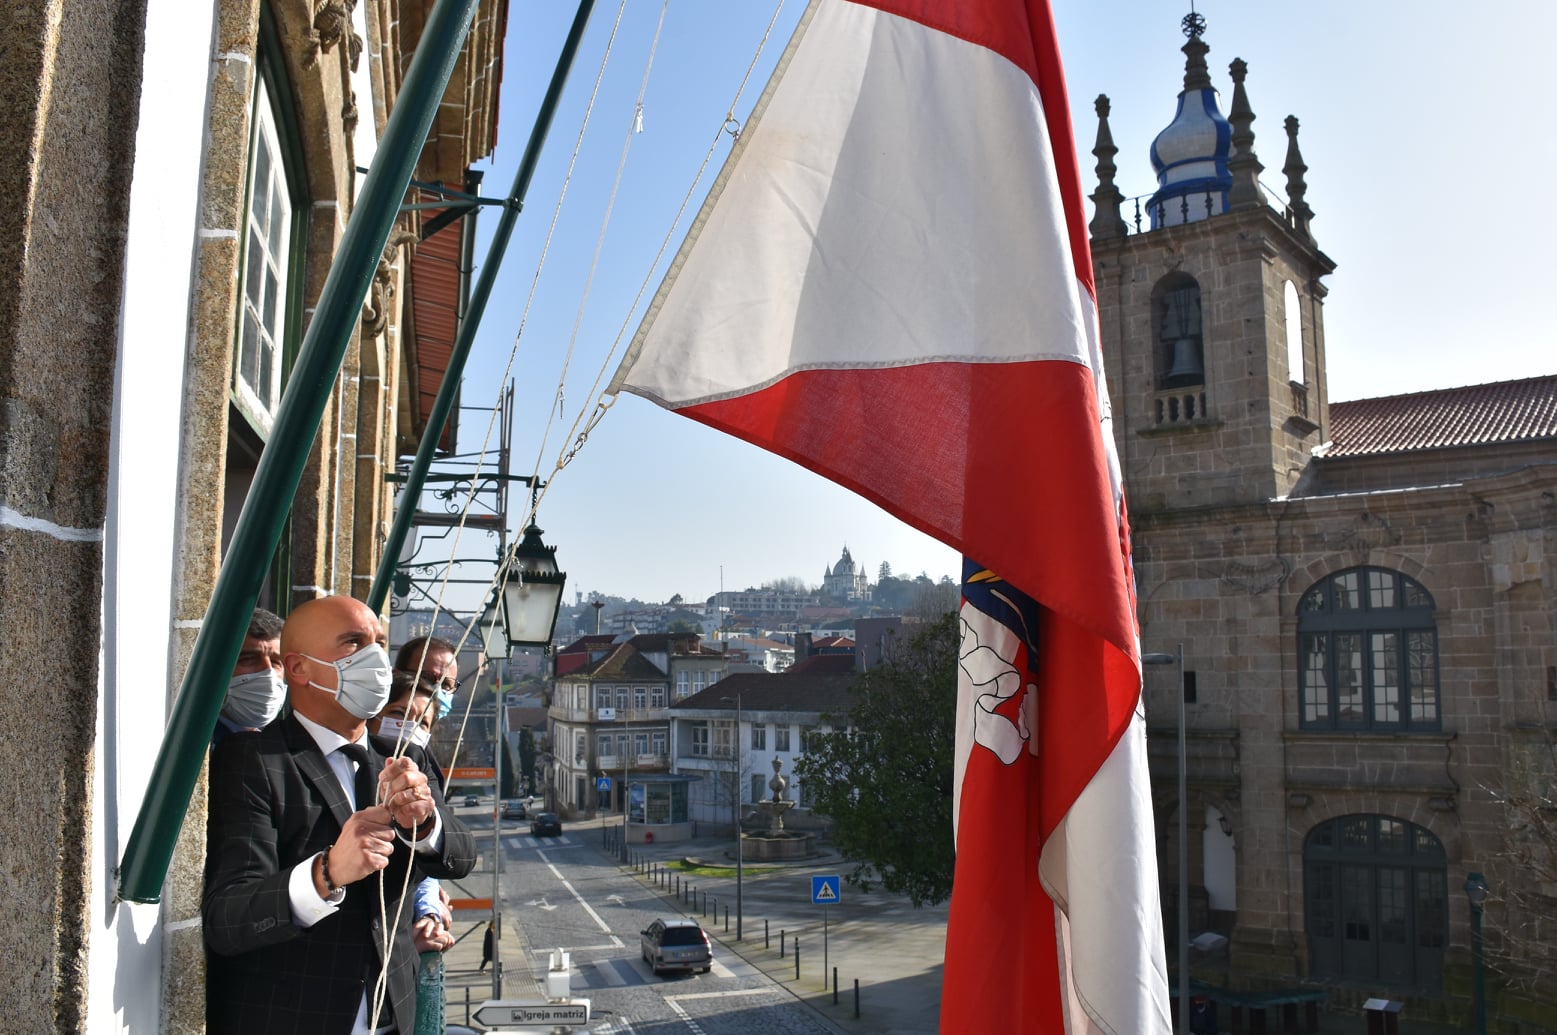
(1375, 894)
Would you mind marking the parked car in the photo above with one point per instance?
(676, 945)
(546, 824)
(471, 799)
(514, 810)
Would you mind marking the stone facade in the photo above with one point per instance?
(1238, 513)
(129, 138)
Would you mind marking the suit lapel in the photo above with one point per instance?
(316, 770)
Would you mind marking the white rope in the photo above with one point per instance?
(634, 127)
(601, 403)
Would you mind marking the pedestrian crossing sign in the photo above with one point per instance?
(826, 891)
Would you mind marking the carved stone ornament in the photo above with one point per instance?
(375, 311)
(1256, 577)
(332, 25)
(1368, 533)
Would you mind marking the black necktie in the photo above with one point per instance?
(364, 780)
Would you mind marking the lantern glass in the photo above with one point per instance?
(532, 596)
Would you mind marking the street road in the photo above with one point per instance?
(565, 893)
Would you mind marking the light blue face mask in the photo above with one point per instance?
(445, 702)
(363, 680)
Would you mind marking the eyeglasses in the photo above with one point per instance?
(429, 685)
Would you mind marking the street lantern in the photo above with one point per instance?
(532, 592)
(494, 632)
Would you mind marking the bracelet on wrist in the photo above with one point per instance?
(324, 868)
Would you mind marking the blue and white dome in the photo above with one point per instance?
(1190, 155)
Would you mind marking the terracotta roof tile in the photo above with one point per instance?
(1498, 413)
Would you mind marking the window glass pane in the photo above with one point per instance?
(1430, 909)
(254, 273)
(1421, 656)
(603, 744)
(1356, 833)
(1415, 595)
(1314, 599)
(602, 697)
(269, 303)
(1427, 846)
(641, 743)
(1356, 904)
(266, 388)
(1321, 900)
(657, 696)
(261, 189)
(1346, 591)
(1316, 682)
(1348, 680)
(1381, 590)
(759, 738)
(1386, 678)
(1392, 837)
(658, 740)
(1323, 836)
(621, 698)
(276, 235)
(640, 697)
(1392, 905)
(781, 738)
(248, 349)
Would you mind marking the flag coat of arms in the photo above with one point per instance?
(890, 284)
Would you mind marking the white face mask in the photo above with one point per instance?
(363, 680)
(255, 698)
(399, 729)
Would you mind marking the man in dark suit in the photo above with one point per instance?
(310, 824)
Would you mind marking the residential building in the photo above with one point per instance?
(609, 714)
(1363, 593)
(767, 654)
(777, 712)
(760, 605)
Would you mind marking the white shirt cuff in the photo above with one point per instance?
(428, 845)
(307, 908)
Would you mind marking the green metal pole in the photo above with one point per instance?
(443, 405)
(200, 696)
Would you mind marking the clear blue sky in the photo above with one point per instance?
(1420, 128)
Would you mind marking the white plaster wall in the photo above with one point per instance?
(1221, 863)
(125, 941)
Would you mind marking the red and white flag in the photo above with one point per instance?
(890, 284)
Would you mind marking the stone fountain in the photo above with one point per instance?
(775, 842)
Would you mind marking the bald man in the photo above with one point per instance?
(298, 857)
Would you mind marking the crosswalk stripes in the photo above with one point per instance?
(620, 972)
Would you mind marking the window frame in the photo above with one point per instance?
(1361, 659)
(273, 123)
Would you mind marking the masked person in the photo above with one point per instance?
(312, 826)
(257, 690)
(408, 718)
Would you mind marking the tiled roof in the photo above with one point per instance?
(820, 685)
(1499, 413)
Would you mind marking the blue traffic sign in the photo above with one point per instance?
(826, 891)
(603, 783)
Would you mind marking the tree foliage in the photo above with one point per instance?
(886, 779)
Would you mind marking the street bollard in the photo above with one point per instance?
(678, 885)
(835, 986)
(797, 958)
(726, 919)
(856, 998)
(782, 952)
(766, 944)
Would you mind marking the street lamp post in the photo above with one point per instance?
(1476, 892)
(739, 860)
(1183, 896)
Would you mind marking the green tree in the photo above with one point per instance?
(885, 778)
(884, 572)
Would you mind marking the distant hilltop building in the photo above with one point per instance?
(846, 580)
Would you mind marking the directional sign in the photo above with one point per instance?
(603, 784)
(497, 1013)
(826, 891)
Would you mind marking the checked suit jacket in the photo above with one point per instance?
(275, 801)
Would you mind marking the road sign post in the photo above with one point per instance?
(512, 1013)
(825, 891)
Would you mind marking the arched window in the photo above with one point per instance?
(1180, 337)
(1375, 899)
(1292, 312)
(1368, 653)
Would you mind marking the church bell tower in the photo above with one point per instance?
(1210, 307)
